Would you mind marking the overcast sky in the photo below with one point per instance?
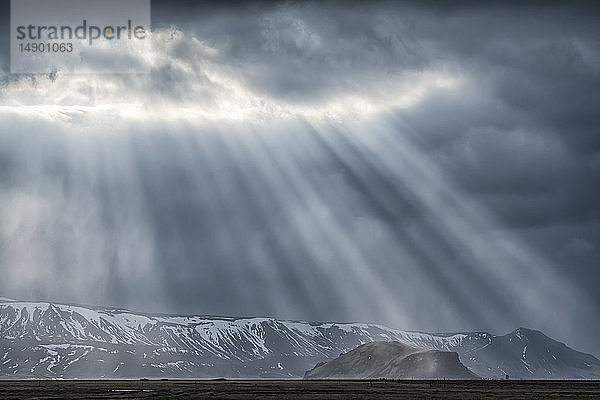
(422, 166)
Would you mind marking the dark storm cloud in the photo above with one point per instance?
(4, 37)
(313, 221)
(533, 56)
(522, 133)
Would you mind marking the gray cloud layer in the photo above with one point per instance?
(472, 207)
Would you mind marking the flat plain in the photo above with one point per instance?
(297, 389)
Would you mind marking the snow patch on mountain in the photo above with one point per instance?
(39, 339)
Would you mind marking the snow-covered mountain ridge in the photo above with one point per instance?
(54, 340)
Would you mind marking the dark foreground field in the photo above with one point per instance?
(300, 389)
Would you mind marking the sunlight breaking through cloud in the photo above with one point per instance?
(213, 91)
(314, 169)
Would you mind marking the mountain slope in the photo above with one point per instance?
(392, 360)
(529, 354)
(56, 340)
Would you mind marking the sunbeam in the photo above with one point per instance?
(314, 165)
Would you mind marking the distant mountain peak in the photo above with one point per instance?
(527, 331)
(51, 340)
